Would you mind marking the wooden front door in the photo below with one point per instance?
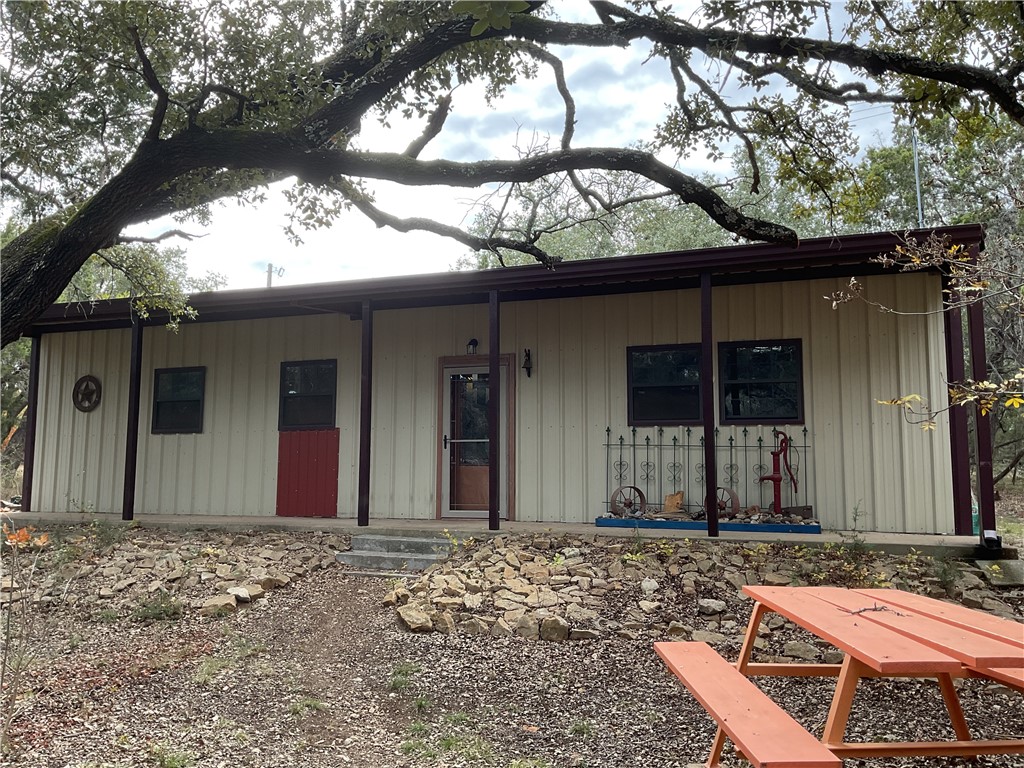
(465, 450)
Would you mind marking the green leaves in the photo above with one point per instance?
(496, 15)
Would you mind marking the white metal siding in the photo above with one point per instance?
(79, 457)
(407, 347)
(231, 467)
(862, 455)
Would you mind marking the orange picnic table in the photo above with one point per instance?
(883, 633)
(889, 633)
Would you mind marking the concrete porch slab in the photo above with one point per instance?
(896, 543)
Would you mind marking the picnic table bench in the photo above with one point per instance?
(761, 730)
(883, 633)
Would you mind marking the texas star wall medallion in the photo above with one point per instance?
(86, 393)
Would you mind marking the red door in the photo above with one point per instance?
(307, 473)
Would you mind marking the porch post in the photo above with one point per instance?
(707, 405)
(365, 396)
(30, 423)
(983, 430)
(131, 443)
(953, 332)
(494, 412)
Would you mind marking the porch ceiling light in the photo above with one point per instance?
(471, 346)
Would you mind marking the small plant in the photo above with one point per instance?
(854, 538)
(107, 615)
(664, 548)
(20, 550)
(582, 728)
(421, 704)
(161, 607)
(457, 718)
(558, 560)
(947, 571)
(419, 728)
(532, 762)
(209, 668)
(165, 757)
(401, 675)
(449, 741)
(636, 549)
(418, 748)
(242, 647)
(454, 544)
(105, 534)
(306, 704)
(469, 748)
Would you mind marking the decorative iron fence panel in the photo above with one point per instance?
(662, 461)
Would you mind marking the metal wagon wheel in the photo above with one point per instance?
(728, 501)
(628, 501)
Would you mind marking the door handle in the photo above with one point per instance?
(445, 442)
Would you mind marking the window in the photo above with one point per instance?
(761, 382)
(664, 384)
(308, 394)
(178, 395)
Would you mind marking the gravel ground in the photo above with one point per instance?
(320, 674)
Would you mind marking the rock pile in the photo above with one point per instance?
(592, 587)
(212, 572)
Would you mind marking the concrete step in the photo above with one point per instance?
(388, 553)
(414, 545)
(387, 561)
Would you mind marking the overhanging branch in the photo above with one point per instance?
(149, 75)
(125, 239)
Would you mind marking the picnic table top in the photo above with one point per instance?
(895, 632)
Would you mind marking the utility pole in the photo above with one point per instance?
(917, 178)
(271, 272)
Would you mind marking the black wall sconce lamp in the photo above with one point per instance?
(527, 363)
(471, 346)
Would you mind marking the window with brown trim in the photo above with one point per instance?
(178, 397)
(761, 382)
(308, 393)
(663, 384)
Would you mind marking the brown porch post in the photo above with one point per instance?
(707, 404)
(982, 427)
(959, 436)
(30, 424)
(131, 444)
(494, 412)
(365, 402)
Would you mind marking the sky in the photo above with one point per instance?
(620, 97)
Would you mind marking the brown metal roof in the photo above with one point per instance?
(818, 257)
